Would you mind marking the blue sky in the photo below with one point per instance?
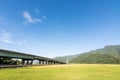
(58, 27)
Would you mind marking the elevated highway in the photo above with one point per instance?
(27, 59)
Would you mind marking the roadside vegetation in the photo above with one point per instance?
(9, 61)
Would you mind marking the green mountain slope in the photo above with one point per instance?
(108, 55)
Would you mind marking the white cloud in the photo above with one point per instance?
(5, 36)
(18, 42)
(29, 18)
(44, 17)
(3, 21)
(37, 10)
(21, 42)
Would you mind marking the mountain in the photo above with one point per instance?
(108, 55)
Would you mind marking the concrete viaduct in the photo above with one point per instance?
(27, 59)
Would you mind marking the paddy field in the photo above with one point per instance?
(63, 72)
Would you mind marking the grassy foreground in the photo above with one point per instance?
(63, 72)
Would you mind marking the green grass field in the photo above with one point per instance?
(63, 72)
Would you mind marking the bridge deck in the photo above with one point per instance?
(28, 57)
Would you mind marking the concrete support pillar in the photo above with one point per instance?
(40, 62)
(23, 61)
(44, 62)
(31, 62)
(55, 63)
(47, 63)
(27, 62)
(50, 62)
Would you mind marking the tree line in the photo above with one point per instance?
(9, 61)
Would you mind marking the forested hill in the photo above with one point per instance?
(108, 55)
